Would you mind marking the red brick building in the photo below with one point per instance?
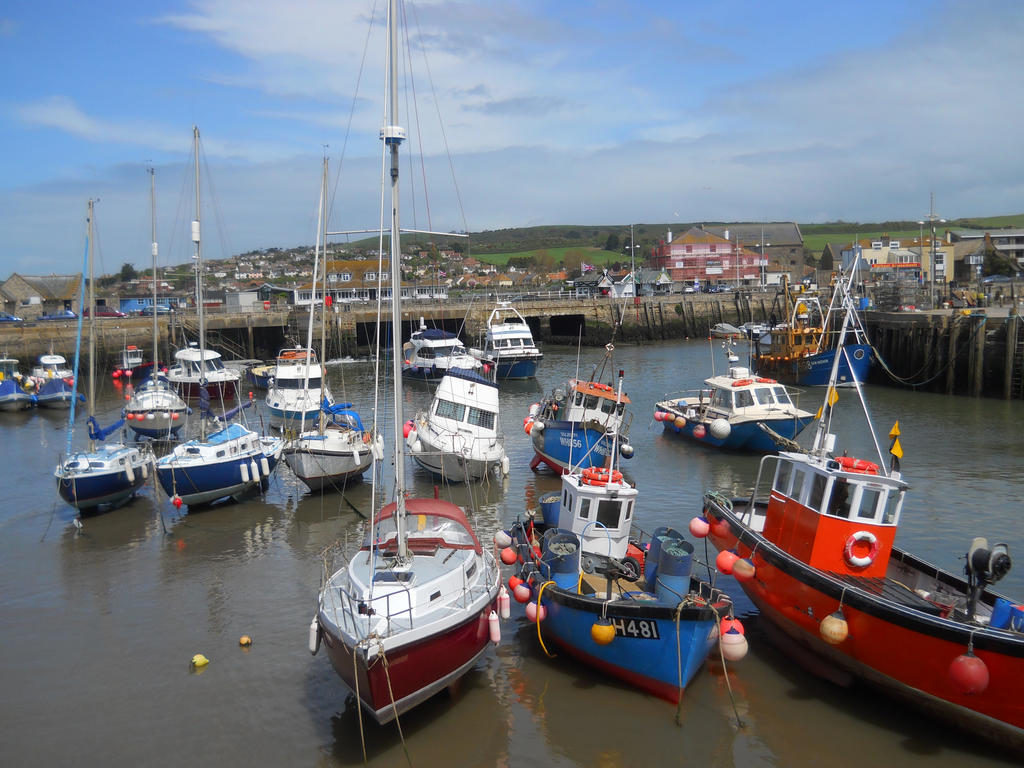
(697, 256)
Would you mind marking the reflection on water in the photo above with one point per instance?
(113, 611)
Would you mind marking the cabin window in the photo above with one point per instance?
(314, 383)
(799, 478)
(607, 406)
(629, 510)
(782, 395)
(221, 454)
(868, 502)
(762, 396)
(839, 503)
(565, 498)
(893, 502)
(584, 509)
(448, 410)
(480, 418)
(744, 399)
(817, 494)
(578, 400)
(608, 512)
(426, 353)
(782, 477)
(721, 399)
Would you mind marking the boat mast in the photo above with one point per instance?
(198, 256)
(392, 135)
(91, 304)
(312, 305)
(152, 205)
(323, 314)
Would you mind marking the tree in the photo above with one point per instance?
(127, 273)
(612, 243)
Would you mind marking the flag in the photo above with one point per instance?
(830, 400)
(896, 450)
(442, 273)
(586, 267)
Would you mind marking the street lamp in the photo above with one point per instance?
(632, 260)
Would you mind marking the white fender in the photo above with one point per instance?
(314, 636)
(244, 469)
(129, 472)
(265, 466)
(254, 471)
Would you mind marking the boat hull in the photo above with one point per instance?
(210, 482)
(16, 401)
(92, 492)
(414, 672)
(188, 389)
(743, 436)
(897, 640)
(562, 445)
(454, 467)
(522, 368)
(322, 468)
(815, 370)
(56, 393)
(651, 651)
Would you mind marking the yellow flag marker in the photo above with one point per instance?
(896, 449)
(895, 431)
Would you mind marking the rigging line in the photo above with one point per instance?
(352, 108)
(415, 113)
(218, 214)
(444, 135)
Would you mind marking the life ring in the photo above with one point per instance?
(742, 382)
(601, 476)
(866, 560)
(850, 464)
(366, 438)
(766, 381)
(293, 354)
(599, 386)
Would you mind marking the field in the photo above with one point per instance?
(588, 254)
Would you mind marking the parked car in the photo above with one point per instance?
(7, 317)
(62, 314)
(160, 310)
(105, 311)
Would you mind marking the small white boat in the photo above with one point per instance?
(296, 390)
(193, 365)
(54, 382)
(431, 352)
(457, 439)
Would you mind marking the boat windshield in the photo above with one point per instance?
(782, 395)
(285, 383)
(435, 529)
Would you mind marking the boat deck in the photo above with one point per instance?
(893, 591)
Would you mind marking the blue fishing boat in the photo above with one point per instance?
(630, 608)
(573, 427)
(54, 382)
(103, 475)
(14, 396)
(736, 411)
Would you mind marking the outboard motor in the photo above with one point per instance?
(984, 566)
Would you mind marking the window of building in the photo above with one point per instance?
(345, 277)
(370, 276)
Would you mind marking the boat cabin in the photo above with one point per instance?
(590, 401)
(188, 360)
(740, 390)
(507, 332)
(131, 357)
(838, 515)
(9, 369)
(466, 402)
(597, 506)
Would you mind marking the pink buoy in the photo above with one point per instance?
(658, 416)
(969, 673)
(407, 428)
(730, 623)
(508, 556)
(513, 582)
(116, 374)
(699, 526)
(174, 417)
(504, 603)
(725, 561)
(176, 501)
(535, 614)
(734, 645)
(699, 431)
(495, 627)
(522, 593)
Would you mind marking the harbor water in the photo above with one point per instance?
(99, 622)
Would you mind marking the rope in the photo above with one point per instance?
(725, 670)
(359, 705)
(394, 704)
(540, 592)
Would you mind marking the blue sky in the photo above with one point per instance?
(552, 112)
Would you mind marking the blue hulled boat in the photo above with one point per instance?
(54, 382)
(13, 393)
(509, 345)
(431, 352)
(629, 607)
(573, 427)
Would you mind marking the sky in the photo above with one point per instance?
(519, 114)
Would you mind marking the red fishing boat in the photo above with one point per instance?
(814, 549)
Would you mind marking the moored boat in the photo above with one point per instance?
(573, 427)
(54, 382)
(412, 610)
(431, 352)
(15, 389)
(297, 389)
(195, 369)
(508, 345)
(817, 543)
(607, 594)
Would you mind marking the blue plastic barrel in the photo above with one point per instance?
(675, 560)
(549, 504)
(561, 553)
(662, 534)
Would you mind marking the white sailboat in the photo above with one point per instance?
(409, 612)
(105, 474)
(234, 459)
(155, 409)
(332, 446)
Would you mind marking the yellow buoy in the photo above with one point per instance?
(199, 661)
(602, 631)
(245, 641)
(833, 628)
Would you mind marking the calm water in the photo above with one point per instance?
(98, 625)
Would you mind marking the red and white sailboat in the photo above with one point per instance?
(410, 611)
(815, 550)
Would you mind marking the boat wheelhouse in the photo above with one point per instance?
(297, 390)
(15, 389)
(193, 366)
(54, 382)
